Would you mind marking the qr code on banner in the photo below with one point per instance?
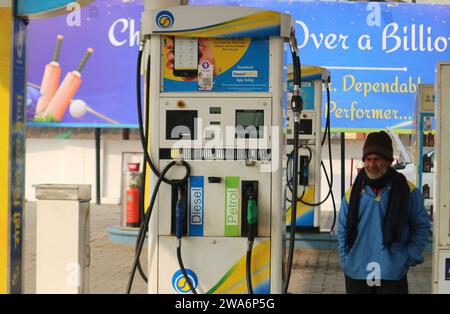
(205, 83)
(205, 76)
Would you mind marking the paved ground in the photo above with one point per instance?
(314, 271)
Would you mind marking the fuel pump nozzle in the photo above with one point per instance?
(252, 224)
(297, 107)
(180, 222)
(180, 215)
(252, 215)
(296, 100)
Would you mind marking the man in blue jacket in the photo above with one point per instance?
(383, 225)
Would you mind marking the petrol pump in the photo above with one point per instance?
(213, 128)
(441, 216)
(314, 79)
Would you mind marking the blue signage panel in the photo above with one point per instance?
(17, 149)
(377, 54)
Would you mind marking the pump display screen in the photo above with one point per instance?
(249, 123)
(180, 124)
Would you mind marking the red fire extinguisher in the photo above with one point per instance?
(132, 207)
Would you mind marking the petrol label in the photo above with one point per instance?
(232, 208)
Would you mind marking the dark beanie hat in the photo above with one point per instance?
(378, 143)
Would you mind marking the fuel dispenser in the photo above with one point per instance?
(314, 79)
(441, 220)
(214, 110)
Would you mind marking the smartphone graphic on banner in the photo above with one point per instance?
(186, 56)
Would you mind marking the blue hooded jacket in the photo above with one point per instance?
(368, 249)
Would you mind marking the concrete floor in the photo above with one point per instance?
(314, 271)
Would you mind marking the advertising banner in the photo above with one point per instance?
(224, 64)
(377, 54)
(86, 60)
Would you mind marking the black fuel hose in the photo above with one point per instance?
(161, 176)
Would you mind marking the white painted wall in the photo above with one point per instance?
(111, 176)
(73, 162)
